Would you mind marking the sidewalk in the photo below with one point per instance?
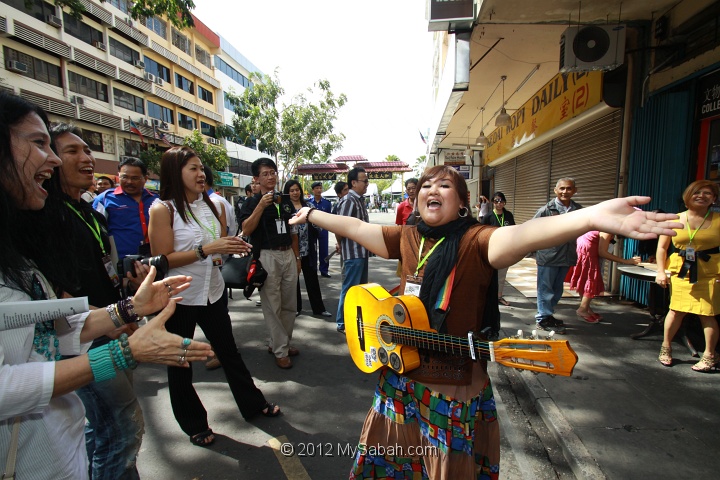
(622, 414)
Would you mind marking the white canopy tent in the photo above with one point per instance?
(395, 188)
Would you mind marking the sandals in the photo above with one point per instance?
(201, 439)
(270, 410)
(707, 363)
(502, 301)
(665, 357)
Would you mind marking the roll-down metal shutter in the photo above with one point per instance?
(531, 182)
(504, 181)
(590, 155)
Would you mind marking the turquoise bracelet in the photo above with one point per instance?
(117, 355)
(101, 363)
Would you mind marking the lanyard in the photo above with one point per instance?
(423, 259)
(277, 206)
(95, 231)
(202, 225)
(692, 234)
(501, 220)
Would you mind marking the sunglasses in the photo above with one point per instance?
(497, 200)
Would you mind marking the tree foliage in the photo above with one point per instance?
(419, 166)
(213, 156)
(296, 133)
(177, 11)
(392, 158)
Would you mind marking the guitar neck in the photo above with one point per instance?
(440, 342)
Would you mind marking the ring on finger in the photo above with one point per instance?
(184, 352)
(186, 342)
(181, 359)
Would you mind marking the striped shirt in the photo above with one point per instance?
(353, 205)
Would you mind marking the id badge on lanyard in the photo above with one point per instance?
(110, 269)
(412, 285)
(280, 225)
(689, 253)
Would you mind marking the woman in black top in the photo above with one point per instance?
(500, 217)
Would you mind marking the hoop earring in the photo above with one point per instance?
(466, 212)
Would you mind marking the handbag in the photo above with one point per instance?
(235, 271)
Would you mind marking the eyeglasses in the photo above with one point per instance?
(125, 178)
(497, 200)
(267, 174)
(364, 181)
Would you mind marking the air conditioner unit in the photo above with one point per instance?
(592, 47)
(139, 64)
(15, 66)
(78, 101)
(101, 46)
(214, 141)
(164, 126)
(156, 122)
(159, 81)
(146, 122)
(149, 77)
(53, 20)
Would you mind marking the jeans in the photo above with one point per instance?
(549, 290)
(356, 273)
(114, 428)
(323, 251)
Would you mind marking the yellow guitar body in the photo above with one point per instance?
(386, 331)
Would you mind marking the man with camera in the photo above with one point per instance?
(127, 207)
(265, 219)
(115, 421)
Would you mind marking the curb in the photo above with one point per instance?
(581, 462)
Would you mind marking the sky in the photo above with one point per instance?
(378, 53)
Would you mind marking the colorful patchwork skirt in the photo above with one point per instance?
(414, 433)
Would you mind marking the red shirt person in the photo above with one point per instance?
(405, 208)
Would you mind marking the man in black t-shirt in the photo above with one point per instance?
(264, 218)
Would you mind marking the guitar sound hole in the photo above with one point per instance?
(386, 333)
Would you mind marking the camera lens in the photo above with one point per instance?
(160, 262)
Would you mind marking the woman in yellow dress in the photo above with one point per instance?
(694, 272)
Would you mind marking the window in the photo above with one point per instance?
(184, 84)
(37, 8)
(129, 101)
(93, 139)
(123, 52)
(83, 31)
(87, 87)
(180, 41)
(37, 69)
(205, 94)
(185, 121)
(228, 105)
(157, 25)
(132, 147)
(157, 69)
(160, 112)
(231, 72)
(122, 5)
(202, 56)
(207, 129)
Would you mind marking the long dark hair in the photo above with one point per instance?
(286, 190)
(23, 234)
(171, 182)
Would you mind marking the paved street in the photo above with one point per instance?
(621, 415)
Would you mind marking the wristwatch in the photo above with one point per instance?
(297, 258)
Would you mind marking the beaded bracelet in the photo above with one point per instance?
(117, 355)
(114, 315)
(307, 217)
(127, 352)
(127, 311)
(199, 253)
(101, 364)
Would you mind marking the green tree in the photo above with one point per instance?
(392, 158)
(419, 166)
(296, 133)
(177, 11)
(213, 156)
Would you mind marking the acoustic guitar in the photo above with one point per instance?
(387, 331)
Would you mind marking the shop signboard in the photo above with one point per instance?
(463, 170)
(708, 97)
(319, 177)
(563, 98)
(226, 179)
(380, 175)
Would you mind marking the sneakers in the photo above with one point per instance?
(551, 323)
(258, 303)
(341, 329)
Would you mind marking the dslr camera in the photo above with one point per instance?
(160, 262)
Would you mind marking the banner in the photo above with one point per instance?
(564, 97)
(380, 175)
(319, 177)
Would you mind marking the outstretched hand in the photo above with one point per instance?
(152, 343)
(153, 296)
(620, 216)
(300, 217)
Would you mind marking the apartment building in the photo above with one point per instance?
(106, 70)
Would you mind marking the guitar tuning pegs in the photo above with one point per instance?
(534, 335)
(535, 373)
(551, 334)
(520, 334)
